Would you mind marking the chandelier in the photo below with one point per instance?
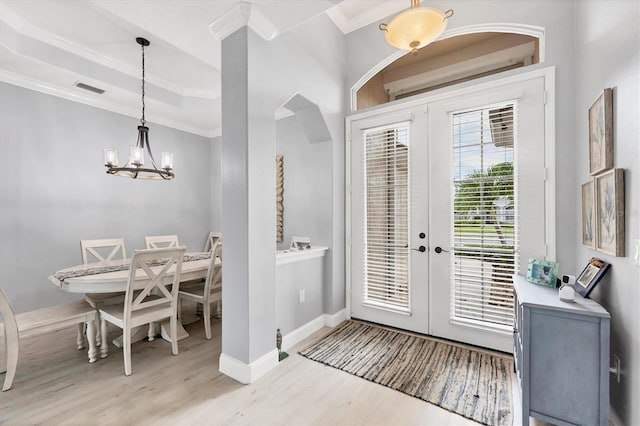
(135, 167)
(416, 27)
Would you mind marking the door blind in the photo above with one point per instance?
(386, 263)
(485, 222)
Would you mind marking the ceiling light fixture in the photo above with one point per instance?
(416, 27)
(135, 167)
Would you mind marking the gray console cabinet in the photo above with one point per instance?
(561, 353)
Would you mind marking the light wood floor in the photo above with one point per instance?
(55, 385)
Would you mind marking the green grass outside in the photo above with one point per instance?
(486, 229)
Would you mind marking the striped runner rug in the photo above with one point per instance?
(474, 384)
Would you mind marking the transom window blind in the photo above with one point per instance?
(485, 222)
(386, 251)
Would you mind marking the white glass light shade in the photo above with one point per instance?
(167, 161)
(111, 157)
(136, 156)
(415, 28)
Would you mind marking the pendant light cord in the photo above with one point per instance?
(142, 120)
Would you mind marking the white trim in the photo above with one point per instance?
(366, 17)
(249, 373)
(92, 100)
(299, 334)
(530, 30)
(230, 21)
(331, 320)
(24, 29)
(290, 256)
(240, 15)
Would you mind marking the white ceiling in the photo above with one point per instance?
(50, 45)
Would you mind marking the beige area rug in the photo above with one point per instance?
(474, 384)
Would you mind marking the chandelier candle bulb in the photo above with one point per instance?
(111, 157)
(167, 161)
(136, 156)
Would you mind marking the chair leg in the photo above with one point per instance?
(218, 309)
(126, 347)
(11, 358)
(91, 338)
(207, 320)
(98, 327)
(80, 336)
(104, 346)
(173, 324)
(151, 334)
(3, 360)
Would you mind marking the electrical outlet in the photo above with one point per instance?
(301, 296)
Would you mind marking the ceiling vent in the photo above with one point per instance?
(89, 88)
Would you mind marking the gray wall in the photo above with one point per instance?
(216, 184)
(308, 60)
(54, 190)
(307, 212)
(608, 55)
(307, 184)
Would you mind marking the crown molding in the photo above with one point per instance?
(364, 18)
(241, 15)
(24, 29)
(87, 99)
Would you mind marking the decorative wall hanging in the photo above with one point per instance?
(588, 215)
(609, 192)
(601, 133)
(279, 198)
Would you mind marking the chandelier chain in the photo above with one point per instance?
(142, 120)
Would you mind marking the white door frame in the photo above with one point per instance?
(548, 74)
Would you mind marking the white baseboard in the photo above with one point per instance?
(335, 319)
(299, 334)
(249, 373)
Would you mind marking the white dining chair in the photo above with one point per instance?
(208, 292)
(211, 240)
(150, 303)
(101, 250)
(41, 321)
(160, 241)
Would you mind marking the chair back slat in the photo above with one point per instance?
(88, 247)
(161, 241)
(156, 287)
(213, 281)
(211, 240)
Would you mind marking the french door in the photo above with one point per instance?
(389, 257)
(447, 201)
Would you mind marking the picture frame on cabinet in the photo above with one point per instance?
(543, 272)
(588, 215)
(590, 276)
(601, 133)
(609, 201)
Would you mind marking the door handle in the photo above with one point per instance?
(440, 250)
(421, 249)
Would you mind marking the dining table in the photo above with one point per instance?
(113, 276)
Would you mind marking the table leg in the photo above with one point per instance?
(137, 334)
(91, 338)
(165, 331)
